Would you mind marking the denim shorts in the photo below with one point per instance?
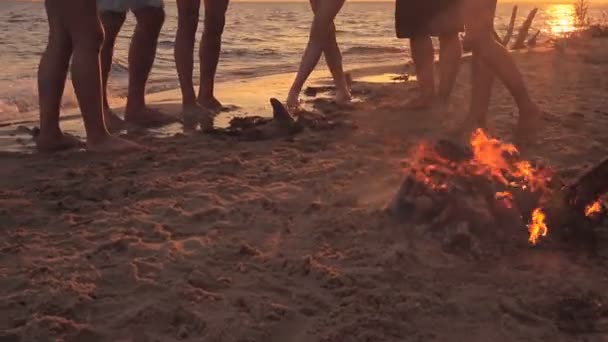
(121, 6)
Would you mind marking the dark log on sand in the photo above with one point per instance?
(253, 128)
(507, 38)
(588, 187)
(522, 36)
(566, 208)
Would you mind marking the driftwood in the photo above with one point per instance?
(282, 125)
(533, 40)
(507, 38)
(522, 36)
(252, 128)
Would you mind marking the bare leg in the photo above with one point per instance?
(187, 23)
(481, 93)
(141, 58)
(209, 53)
(112, 23)
(478, 20)
(80, 17)
(333, 58)
(423, 55)
(450, 52)
(52, 74)
(317, 42)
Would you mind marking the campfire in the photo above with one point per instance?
(485, 189)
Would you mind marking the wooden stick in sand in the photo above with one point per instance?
(533, 40)
(507, 38)
(522, 36)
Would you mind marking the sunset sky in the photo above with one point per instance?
(509, 1)
(514, 1)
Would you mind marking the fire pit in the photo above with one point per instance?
(486, 191)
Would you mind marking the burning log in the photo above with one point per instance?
(486, 186)
(522, 36)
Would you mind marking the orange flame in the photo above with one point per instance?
(537, 228)
(594, 208)
(492, 159)
(491, 156)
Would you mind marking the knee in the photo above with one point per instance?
(214, 26)
(151, 18)
(112, 21)
(89, 39)
(188, 20)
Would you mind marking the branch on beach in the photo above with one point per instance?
(507, 38)
(522, 36)
(533, 40)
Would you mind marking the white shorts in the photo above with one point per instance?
(121, 6)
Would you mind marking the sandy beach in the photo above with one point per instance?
(211, 238)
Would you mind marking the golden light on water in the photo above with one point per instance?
(561, 19)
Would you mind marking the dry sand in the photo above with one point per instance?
(208, 239)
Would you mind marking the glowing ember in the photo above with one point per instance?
(537, 228)
(506, 198)
(594, 208)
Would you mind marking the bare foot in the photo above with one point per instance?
(211, 104)
(55, 142)
(195, 114)
(149, 118)
(420, 103)
(113, 144)
(528, 125)
(113, 122)
(293, 102)
(343, 98)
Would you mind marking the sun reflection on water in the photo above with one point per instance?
(561, 19)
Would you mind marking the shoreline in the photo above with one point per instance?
(240, 96)
(243, 97)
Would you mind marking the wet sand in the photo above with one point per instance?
(248, 97)
(216, 239)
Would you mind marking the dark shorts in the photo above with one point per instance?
(428, 17)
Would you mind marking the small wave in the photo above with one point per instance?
(166, 44)
(21, 96)
(240, 52)
(118, 67)
(252, 40)
(363, 50)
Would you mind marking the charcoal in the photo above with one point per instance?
(453, 151)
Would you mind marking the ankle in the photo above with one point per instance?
(98, 136)
(50, 131)
(134, 110)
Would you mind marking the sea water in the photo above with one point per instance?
(260, 39)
